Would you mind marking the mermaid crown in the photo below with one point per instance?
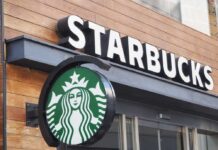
(75, 82)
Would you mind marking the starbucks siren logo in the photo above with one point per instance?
(76, 106)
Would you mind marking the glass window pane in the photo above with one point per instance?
(129, 134)
(110, 141)
(197, 14)
(208, 141)
(191, 141)
(168, 7)
(148, 138)
(212, 142)
(170, 140)
(202, 142)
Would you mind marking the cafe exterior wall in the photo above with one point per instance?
(1, 83)
(38, 18)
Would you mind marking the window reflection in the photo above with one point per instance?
(110, 141)
(171, 140)
(129, 130)
(198, 14)
(148, 138)
(158, 136)
(168, 7)
(208, 141)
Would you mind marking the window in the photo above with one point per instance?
(111, 140)
(129, 130)
(171, 140)
(207, 141)
(168, 7)
(130, 133)
(159, 136)
(197, 14)
(202, 140)
(148, 138)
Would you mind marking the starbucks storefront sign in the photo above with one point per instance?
(94, 39)
(76, 105)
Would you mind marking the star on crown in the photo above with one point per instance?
(75, 82)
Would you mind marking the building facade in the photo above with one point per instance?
(153, 112)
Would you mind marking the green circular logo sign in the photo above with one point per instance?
(77, 107)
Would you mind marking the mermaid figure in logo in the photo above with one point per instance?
(76, 117)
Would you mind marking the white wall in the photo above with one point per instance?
(194, 13)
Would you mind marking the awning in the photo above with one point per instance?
(129, 83)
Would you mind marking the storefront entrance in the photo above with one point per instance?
(133, 133)
(125, 132)
(151, 113)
